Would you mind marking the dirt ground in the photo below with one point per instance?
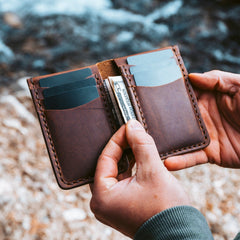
(34, 207)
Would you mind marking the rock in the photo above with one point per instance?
(16, 124)
(168, 10)
(5, 187)
(141, 7)
(20, 109)
(6, 54)
(22, 83)
(12, 20)
(57, 39)
(74, 214)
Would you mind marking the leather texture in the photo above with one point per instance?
(75, 137)
(68, 129)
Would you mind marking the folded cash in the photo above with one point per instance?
(122, 97)
(116, 110)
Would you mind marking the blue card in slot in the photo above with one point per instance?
(155, 65)
(49, 92)
(157, 77)
(152, 57)
(71, 98)
(65, 78)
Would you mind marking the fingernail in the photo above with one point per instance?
(134, 124)
(233, 90)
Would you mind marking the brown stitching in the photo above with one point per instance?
(195, 109)
(104, 97)
(182, 149)
(136, 98)
(193, 104)
(192, 99)
(43, 117)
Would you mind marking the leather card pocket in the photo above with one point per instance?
(79, 135)
(154, 68)
(171, 119)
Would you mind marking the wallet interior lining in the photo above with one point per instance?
(108, 68)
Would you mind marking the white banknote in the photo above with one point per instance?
(122, 97)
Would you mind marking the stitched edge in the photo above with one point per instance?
(136, 98)
(49, 138)
(197, 115)
(109, 114)
(43, 117)
(121, 167)
(104, 97)
(50, 142)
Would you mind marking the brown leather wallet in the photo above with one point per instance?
(76, 136)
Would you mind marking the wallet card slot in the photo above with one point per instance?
(171, 119)
(79, 135)
(94, 104)
(130, 84)
(154, 68)
(157, 76)
(72, 98)
(63, 78)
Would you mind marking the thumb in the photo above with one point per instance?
(223, 82)
(144, 149)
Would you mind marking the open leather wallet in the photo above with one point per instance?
(79, 110)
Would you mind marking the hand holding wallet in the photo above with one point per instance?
(78, 114)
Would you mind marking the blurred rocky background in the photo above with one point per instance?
(47, 36)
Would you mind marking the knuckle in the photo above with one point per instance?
(144, 141)
(214, 72)
(213, 75)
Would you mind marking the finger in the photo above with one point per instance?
(143, 147)
(91, 187)
(107, 168)
(130, 158)
(224, 82)
(185, 161)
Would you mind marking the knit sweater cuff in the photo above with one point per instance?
(181, 222)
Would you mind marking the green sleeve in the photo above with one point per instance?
(182, 222)
(237, 237)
